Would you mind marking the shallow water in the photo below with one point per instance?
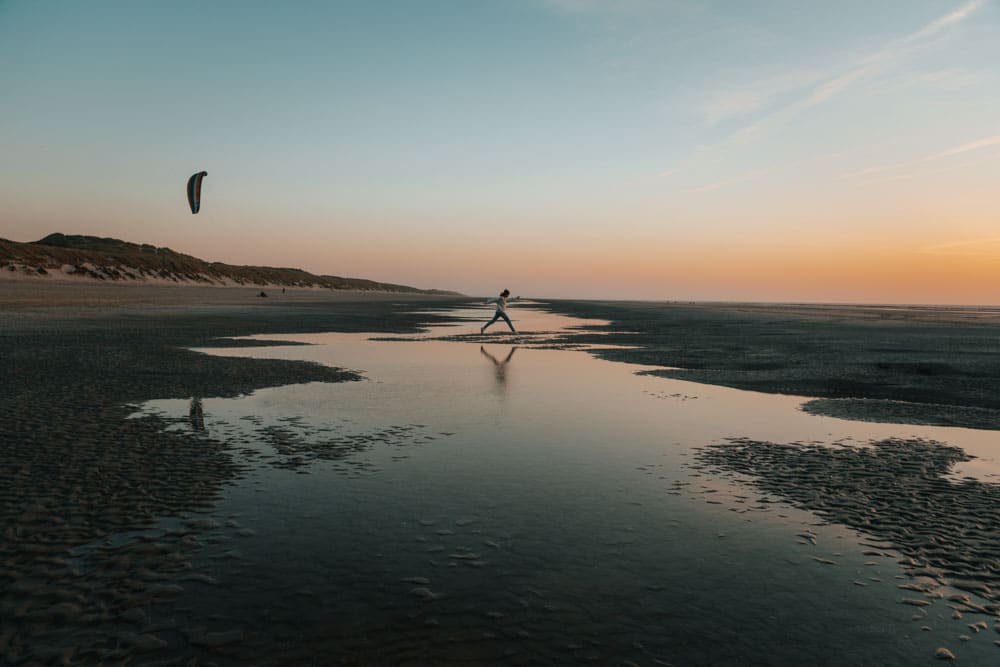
(484, 500)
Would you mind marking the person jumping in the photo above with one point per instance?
(501, 302)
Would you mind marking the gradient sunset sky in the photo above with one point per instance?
(777, 150)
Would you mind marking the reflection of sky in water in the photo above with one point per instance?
(542, 499)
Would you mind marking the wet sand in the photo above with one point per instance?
(79, 479)
(896, 364)
(895, 491)
(81, 483)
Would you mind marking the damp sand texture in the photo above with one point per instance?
(344, 500)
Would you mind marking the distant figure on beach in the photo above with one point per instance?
(262, 293)
(501, 311)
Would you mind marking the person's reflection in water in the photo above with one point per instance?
(500, 368)
(196, 415)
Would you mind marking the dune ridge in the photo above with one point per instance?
(71, 258)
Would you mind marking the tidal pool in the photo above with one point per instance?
(479, 499)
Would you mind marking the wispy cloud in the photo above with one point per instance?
(892, 171)
(940, 24)
(597, 6)
(863, 69)
(794, 95)
(942, 79)
(985, 247)
(822, 86)
(971, 146)
(747, 98)
(924, 173)
(742, 178)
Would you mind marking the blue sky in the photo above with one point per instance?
(622, 149)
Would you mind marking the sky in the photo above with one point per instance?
(733, 150)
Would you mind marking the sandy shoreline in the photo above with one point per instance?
(102, 513)
(75, 471)
(26, 294)
(896, 364)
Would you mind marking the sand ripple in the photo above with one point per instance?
(895, 490)
(93, 504)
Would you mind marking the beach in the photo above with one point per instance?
(203, 474)
(909, 364)
(76, 469)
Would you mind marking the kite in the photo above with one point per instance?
(194, 190)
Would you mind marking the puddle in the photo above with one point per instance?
(484, 499)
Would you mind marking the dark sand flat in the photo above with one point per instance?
(80, 481)
(898, 364)
(76, 474)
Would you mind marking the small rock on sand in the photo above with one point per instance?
(915, 602)
(144, 643)
(134, 615)
(912, 587)
(424, 593)
(212, 639)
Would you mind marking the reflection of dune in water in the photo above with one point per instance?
(293, 442)
(297, 446)
(895, 490)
